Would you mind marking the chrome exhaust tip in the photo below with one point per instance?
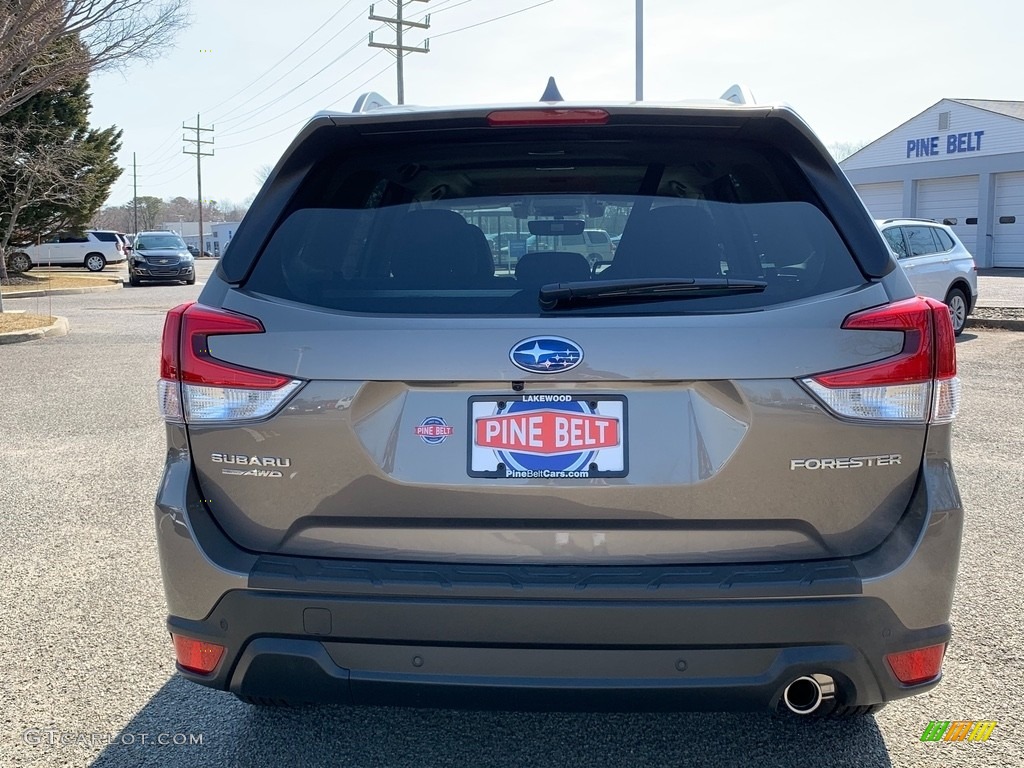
(806, 694)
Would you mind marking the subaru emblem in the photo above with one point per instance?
(546, 354)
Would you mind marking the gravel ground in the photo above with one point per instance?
(18, 280)
(85, 651)
(998, 313)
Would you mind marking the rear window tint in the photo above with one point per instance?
(386, 233)
(106, 237)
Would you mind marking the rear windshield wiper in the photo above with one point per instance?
(556, 295)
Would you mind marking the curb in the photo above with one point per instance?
(61, 292)
(59, 328)
(992, 322)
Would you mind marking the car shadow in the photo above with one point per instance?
(214, 729)
(966, 336)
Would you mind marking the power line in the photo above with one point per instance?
(348, 74)
(496, 18)
(329, 40)
(276, 100)
(440, 8)
(282, 59)
(234, 120)
(332, 85)
(301, 103)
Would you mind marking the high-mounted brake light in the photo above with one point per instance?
(547, 117)
(197, 387)
(917, 385)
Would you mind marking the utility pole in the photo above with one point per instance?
(398, 48)
(198, 152)
(639, 50)
(135, 197)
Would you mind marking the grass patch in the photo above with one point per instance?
(23, 321)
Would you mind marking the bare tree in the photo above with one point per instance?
(840, 150)
(262, 173)
(35, 172)
(116, 217)
(44, 43)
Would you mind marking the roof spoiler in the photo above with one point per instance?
(369, 101)
(739, 94)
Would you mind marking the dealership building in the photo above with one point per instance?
(961, 162)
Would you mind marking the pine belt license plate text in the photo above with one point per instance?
(547, 436)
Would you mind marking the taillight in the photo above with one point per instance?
(547, 117)
(918, 385)
(197, 387)
(917, 666)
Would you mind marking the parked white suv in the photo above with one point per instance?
(93, 249)
(594, 244)
(937, 263)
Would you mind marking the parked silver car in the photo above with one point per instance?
(936, 262)
(716, 475)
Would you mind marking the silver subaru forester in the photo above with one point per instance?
(712, 472)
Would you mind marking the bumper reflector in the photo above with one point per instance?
(197, 655)
(917, 666)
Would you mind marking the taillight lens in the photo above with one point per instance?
(918, 385)
(196, 387)
(917, 666)
(197, 655)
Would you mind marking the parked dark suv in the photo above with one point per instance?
(714, 475)
(161, 256)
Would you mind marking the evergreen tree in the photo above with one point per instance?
(52, 129)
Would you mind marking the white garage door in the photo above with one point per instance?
(956, 199)
(1008, 228)
(885, 201)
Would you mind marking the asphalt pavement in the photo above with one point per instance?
(86, 659)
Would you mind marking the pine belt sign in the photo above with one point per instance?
(955, 144)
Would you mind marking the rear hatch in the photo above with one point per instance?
(363, 378)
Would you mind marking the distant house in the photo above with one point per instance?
(217, 234)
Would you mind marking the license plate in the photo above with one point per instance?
(547, 436)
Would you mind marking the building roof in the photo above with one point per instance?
(1009, 108)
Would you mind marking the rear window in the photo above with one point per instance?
(945, 241)
(391, 231)
(106, 237)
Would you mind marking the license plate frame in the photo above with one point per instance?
(558, 418)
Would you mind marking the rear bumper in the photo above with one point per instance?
(558, 637)
(579, 655)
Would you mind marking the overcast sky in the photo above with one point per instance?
(853, 70)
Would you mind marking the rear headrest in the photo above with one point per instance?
(437, 248)
(671, 241)
(540, 268)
